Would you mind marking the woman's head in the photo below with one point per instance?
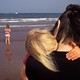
(39, 44)
(69, 28)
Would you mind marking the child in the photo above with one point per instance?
(7, 34)
(39, 44)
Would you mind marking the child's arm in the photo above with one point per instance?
(74, 53)
(23, 75)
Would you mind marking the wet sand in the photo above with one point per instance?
(11, 56)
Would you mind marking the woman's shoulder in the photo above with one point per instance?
(58, 53)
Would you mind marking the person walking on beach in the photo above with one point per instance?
(7, 34)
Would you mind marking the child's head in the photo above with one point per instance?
(7, 25)
(40, 43)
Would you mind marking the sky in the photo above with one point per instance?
(35, 6)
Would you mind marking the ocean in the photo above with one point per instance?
(28, 19)
(21, 23)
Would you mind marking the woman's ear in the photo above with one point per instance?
(56, 30)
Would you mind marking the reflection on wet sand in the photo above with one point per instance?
(8, 52)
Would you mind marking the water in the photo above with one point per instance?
(29, 15)
(28, 19)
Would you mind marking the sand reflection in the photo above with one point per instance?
(8, 52)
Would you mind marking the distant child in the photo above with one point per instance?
(7, 34)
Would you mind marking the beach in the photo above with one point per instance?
(12, 55)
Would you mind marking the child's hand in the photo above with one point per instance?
(25, 78)
(74, 53)
(22, 72)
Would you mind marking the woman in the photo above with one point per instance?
(66, 33)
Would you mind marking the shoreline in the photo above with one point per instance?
(11, 56)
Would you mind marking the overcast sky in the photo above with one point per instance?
(35, 6)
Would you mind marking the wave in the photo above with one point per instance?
(12, 20)
(28, 22)
(41, 25)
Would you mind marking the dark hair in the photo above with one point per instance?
(70, 24)
(7, 26)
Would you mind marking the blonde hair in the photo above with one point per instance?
(39, 44)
